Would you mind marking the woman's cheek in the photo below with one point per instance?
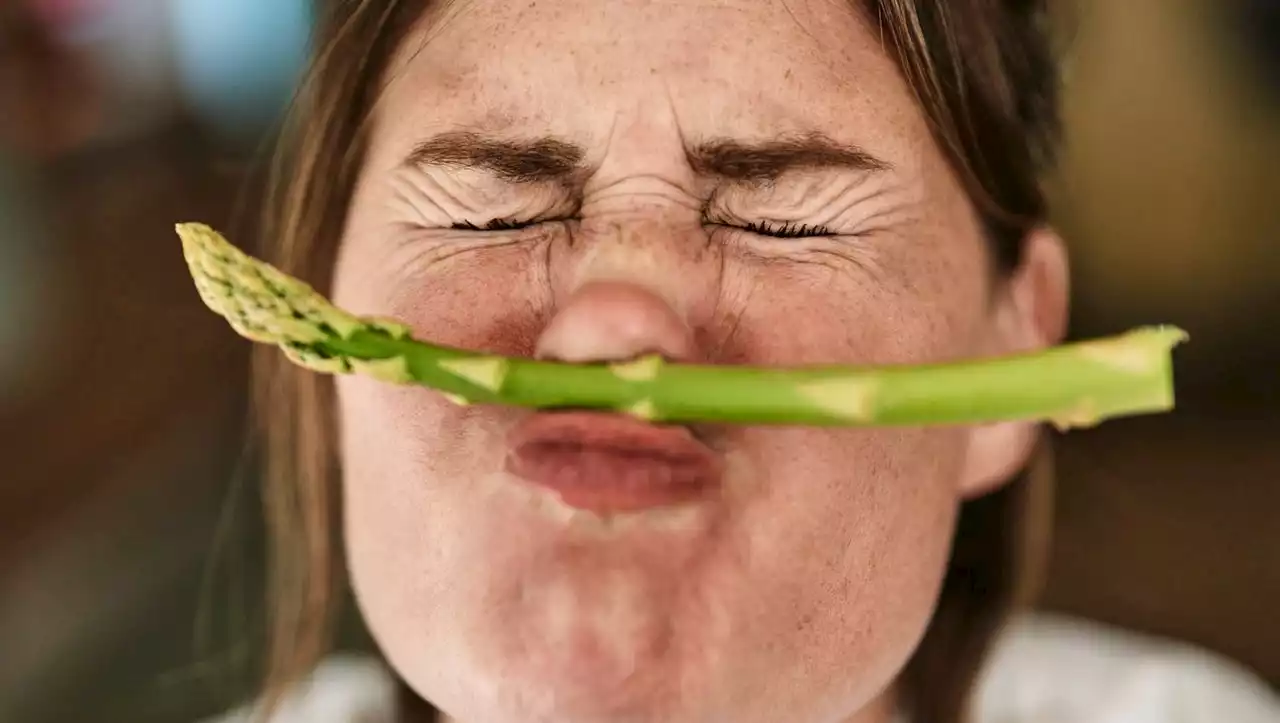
(490, 298)
(828, 313)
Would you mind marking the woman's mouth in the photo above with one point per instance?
(608, 463)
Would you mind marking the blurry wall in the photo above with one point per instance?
(122, 400)
(130, 550)
(1170, 196)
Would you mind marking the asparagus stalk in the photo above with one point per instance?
(1076, 385)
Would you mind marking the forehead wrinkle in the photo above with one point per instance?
(645, 144)
(469, 91)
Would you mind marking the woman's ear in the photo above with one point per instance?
(1029, 312)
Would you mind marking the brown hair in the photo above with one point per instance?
(982, 71)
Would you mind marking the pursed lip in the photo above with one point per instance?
(609, 463)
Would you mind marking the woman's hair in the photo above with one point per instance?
(984, 74)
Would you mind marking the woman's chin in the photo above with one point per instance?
(571, 671)
(598, 642)
(598, 677)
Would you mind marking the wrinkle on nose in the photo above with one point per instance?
(615, 321)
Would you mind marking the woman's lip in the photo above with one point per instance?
(608, 463)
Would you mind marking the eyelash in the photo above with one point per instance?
(497, 224)
(786, 230)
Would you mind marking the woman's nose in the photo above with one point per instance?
(613, 321)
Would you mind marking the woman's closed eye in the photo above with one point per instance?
(787, 229)
(496, 224)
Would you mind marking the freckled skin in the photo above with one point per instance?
(801, 590)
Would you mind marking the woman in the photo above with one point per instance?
(731, 182)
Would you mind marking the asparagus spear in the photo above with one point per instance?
(1074, 385)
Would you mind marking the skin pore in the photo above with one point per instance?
(727, 181)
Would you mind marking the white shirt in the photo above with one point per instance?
(1044, 669)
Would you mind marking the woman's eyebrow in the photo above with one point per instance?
(767, 160)
(519, 161)
(553, 159)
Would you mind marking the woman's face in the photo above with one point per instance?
(649, 148)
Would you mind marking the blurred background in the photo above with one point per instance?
(130, 542)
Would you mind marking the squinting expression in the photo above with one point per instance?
(731, 181)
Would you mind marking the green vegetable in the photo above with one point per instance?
(1071, 386)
